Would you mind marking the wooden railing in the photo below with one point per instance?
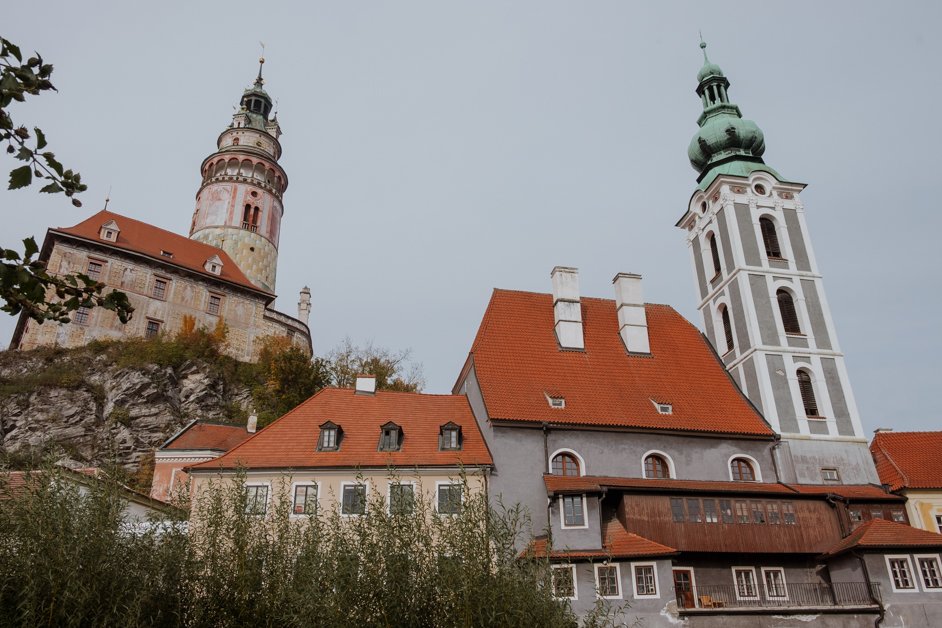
(787, 595)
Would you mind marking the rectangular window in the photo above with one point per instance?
(830, 475)
(215, 301)
(305, 499)
(938, 523)
(775, 515)
(930, 571)
(401, 499)
(607, 581)
(573, 511)
(788, 514)
(564, 581)
(693, 511)
(901, 573)
(677, 510)
(160, 289)
(450, 438)
(758, 512)
(328, 438)
(876, 513)
(645, 579)
(856, 515)
(726, 510)
(449, 499)
(152, 329)
(81, 316)
(256, 499)
(389, 441)
(774, 578)
(709, 511)
(742, 512)
(745, 578)
(354, 499)
(94, 270)
(898, 516)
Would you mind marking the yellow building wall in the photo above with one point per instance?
(923, 507)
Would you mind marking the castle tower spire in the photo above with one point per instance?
(239, 204)
(762, 297)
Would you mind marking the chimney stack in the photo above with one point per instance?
(304, 305)
(252, 424)
(567, 311)
(366, 384)
(632, 320)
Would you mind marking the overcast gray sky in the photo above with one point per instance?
(437, 150)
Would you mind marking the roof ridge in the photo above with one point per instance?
(891, 461)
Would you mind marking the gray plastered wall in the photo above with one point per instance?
(747, 234)
(819, 328)
(782, 394)
(797, 239)
(768, 329)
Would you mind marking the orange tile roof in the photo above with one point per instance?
(291, 441)
(619, 543)
(883, 534)
(518, 362)
(208, 436)
(908, 459)
(852, 492)
(149, 240)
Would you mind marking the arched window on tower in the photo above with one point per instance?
(741, 470)
(565, 464)
(727, 327)
(246, 216)
(256, 213)
(714, 254)
(655, 467)
(786, 306)
(770, 238)
(806, 387)
(235, 141)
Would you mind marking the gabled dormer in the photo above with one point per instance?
(109, 231)
(449, 437)
(330, 435)
(213, 265)
(390, 437)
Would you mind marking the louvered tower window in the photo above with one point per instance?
(715, 254)
(786, 306)
(807, 393)
(770, 238)
(727, 328)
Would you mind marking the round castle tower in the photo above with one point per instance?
(239, 205)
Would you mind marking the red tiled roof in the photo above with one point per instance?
(518, 362)
(208, 436)
(883, 534)
(908, 459)
(853, 492)
(619, 543)
(149, 240)
(291, 441)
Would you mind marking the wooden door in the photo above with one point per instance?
(683, 588)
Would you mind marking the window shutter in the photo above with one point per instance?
(807, 393)
(770, 238)
(786, 306)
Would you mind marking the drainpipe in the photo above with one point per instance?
(778, 443)
(549, 501)
(866, 572)
(832, 501)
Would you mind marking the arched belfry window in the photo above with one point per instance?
(727, 327)
(565, 464)
(806, 387)
(741, 470)
(786, 306)
(770, 238)
(714, 254)
(656, 467)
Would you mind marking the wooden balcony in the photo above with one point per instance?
(790, 598)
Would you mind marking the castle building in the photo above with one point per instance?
(224, 272)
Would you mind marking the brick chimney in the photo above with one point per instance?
(632, 320)
(567, 312)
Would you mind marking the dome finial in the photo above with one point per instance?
(706, 59)
(261, 62)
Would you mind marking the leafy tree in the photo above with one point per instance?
(393, 369)
(288, 376)
(25, 286)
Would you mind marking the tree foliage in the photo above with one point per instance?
(25, 285)
(393, 369)
(287, 376)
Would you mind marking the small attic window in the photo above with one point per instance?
(213, 265)
(164, 253)
(557, 402)
(329, 439)
(109, 231)
(390, 438)
(663, 408)
(449, 438)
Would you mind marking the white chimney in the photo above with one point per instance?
(632, 320)
(304, 305)
(366, 384)
(567, 312)
(252, 424)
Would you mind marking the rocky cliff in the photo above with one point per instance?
(103, 404)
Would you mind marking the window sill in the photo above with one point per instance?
(816, 418)
(772, 258)
(792, 334)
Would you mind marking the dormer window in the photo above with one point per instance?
(330, 437)
(663, 408)
(449, 438)
(213, 265)
(556, 401)
(390, 437)
(109, 231)
(164, 253)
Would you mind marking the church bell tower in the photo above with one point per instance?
(239, 204)
(762, 297)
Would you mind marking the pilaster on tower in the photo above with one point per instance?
(239, 204)
(761, 294)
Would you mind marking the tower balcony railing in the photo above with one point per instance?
(250, 227)
(720, 598)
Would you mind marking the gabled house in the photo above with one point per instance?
(908, 464)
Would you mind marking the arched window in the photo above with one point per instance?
(655, 467)
(715, 254)
(741, 470)
(565, 464)
(235, 141)
(770, 238)
(806, 387)
(727, 327)
(786, 306)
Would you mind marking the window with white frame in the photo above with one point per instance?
(938, 523)
(774, 580)
(354, 499)
(607, 581)
(305, 499)
(401, 498)
(644, 576)
(830, 475)
(745, 580)
(564, 581)
(573, 511)
(930, 571)
(901, 573)
(449, 499)
(256, 499)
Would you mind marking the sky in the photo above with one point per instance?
(438, 150)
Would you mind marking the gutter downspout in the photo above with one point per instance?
(866, 572)
(549, 501)
(778, 443)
